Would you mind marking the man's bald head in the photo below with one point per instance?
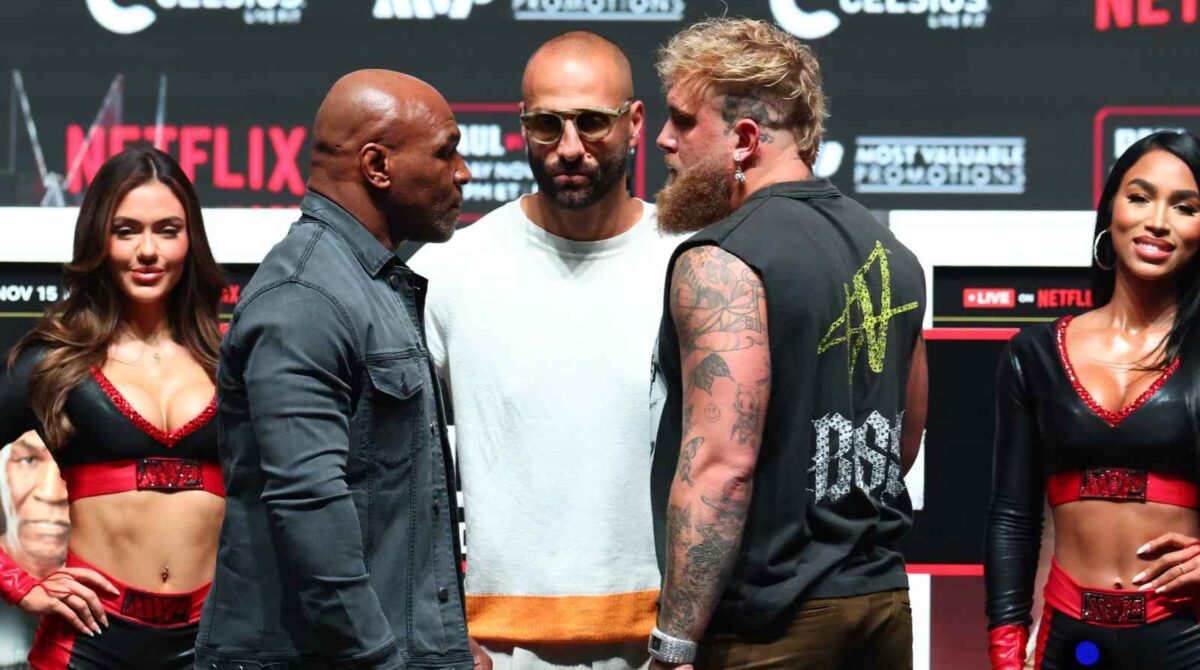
(367, 106)
(580, 70)
(574, 55)
(385, 149)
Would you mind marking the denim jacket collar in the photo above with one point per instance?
(373, 256)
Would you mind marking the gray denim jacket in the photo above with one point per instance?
(340, 542)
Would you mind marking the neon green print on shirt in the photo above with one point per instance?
(873, 328)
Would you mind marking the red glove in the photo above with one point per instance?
(1006, 647)
(15, 583)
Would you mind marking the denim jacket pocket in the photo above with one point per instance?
(396, 408)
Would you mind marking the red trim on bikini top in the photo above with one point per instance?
(168, 439)
(1107, 415)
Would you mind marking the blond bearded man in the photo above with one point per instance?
(791, 355)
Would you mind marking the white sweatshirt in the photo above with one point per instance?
(545, 345)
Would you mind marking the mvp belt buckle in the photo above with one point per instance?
(1113, 484)
(156, 608)
(1113, 609)
(169, 474)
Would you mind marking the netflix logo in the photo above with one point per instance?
(260, 158)
(1123, 14)
(1052, 298)
(989, 298)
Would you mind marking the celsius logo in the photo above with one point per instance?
(802, 24)
(127, 20)
(424, 9)
(118, 19)
(811, 25)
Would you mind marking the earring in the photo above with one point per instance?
(738, 175)
(1096, 252)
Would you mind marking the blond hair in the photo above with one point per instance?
(753, 60)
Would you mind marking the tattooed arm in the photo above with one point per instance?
(720, 313)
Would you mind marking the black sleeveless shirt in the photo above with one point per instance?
(845, 303)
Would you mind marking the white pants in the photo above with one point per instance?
(617, 656)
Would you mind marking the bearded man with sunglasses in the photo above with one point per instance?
(541, 319)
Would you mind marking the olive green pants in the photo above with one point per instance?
(871, 632)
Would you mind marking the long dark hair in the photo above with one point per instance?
(78, 330)
(1184, 338)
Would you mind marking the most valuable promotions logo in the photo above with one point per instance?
(130, 19)
(598, 10)
(968, 165)
(425, 9)
(817, 23)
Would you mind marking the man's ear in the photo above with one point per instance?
(748, 134)
(373, 161)
(637, 117)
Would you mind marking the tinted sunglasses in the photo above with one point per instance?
(593, 125)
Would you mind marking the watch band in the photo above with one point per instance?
(669, 649)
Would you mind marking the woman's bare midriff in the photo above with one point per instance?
(158, 542)
(1096, 541)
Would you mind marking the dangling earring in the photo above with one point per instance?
(738, 175)
(1096, 252)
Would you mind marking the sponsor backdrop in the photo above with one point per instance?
(1011, 106)
(996, 104)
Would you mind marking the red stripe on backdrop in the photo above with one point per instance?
(970, 333)
(946, 569)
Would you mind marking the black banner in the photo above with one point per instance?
(955, 104)
(957, 453)
(1008, 297)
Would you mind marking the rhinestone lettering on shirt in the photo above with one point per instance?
(872, 465)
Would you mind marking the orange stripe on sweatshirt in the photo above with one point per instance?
(617, 617)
